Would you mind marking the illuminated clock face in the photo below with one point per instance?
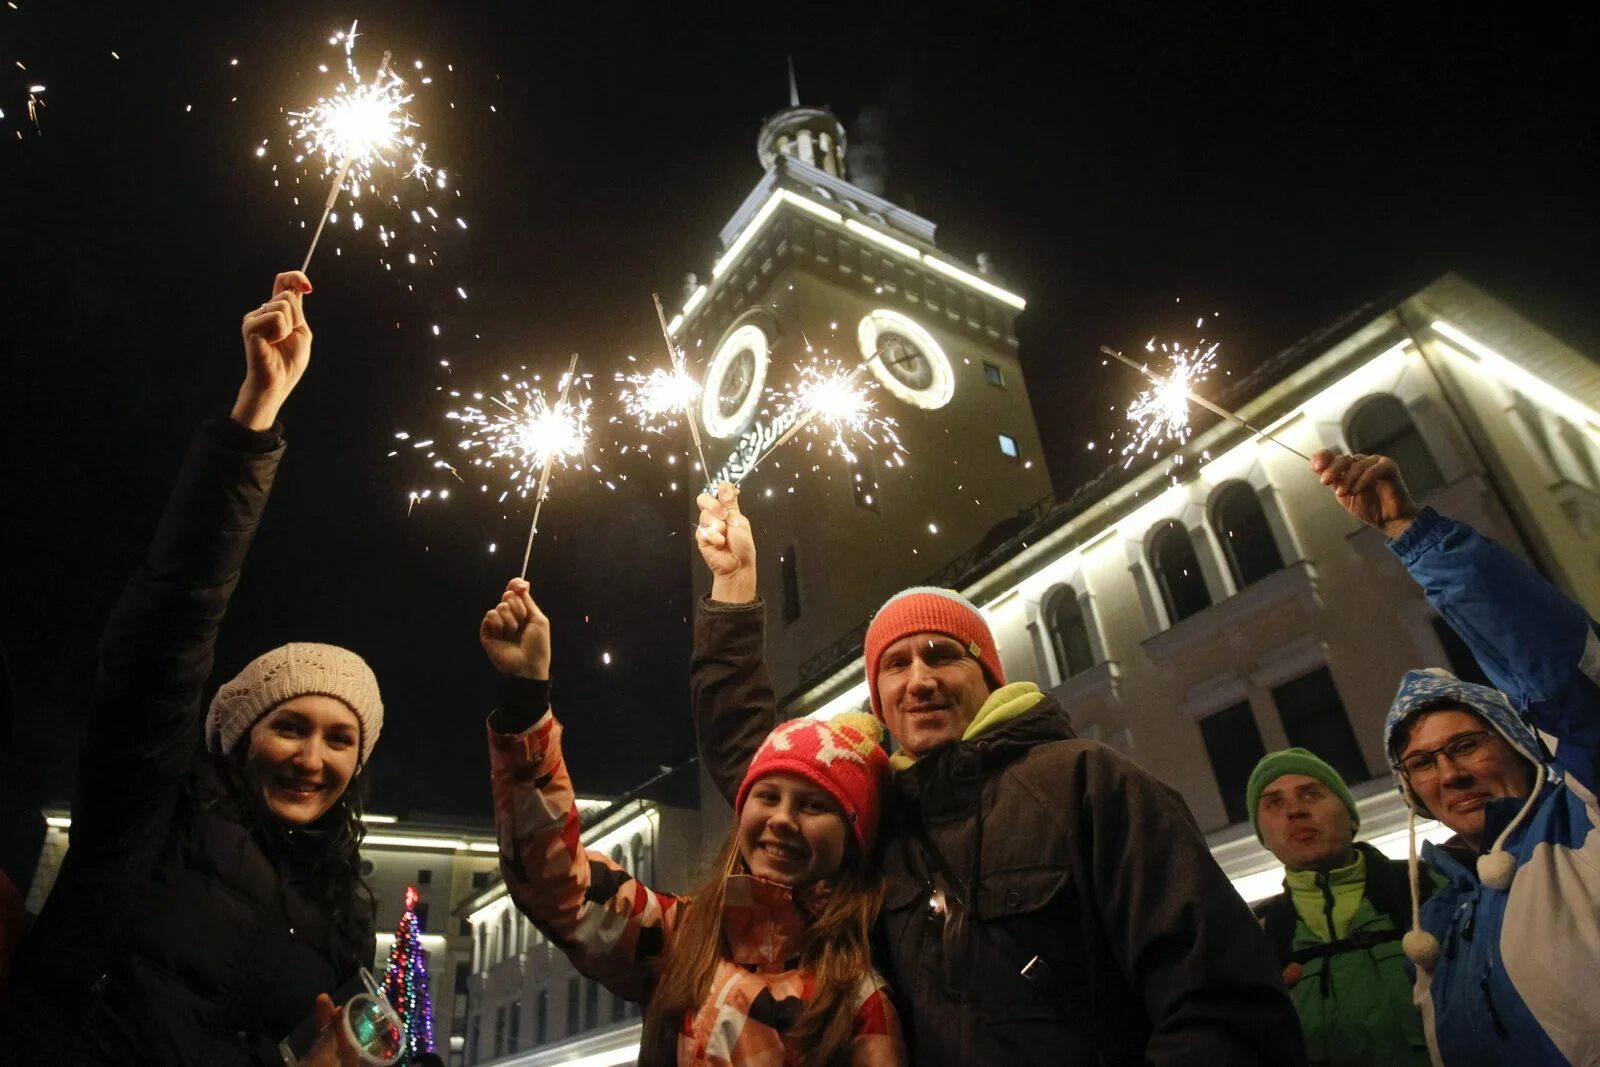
(734, 381)
(910, 363)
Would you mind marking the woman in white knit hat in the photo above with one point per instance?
(212, 892)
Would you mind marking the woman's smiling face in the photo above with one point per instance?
(302, 755)
(791, 831)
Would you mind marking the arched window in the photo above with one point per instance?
(1183, 587)
(1247, 542)
(616, 855)
(1382, 426)
(483, 949)
(1069, 633)
(505, 935)
(636, 847)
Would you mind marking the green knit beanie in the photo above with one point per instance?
(1275, 765)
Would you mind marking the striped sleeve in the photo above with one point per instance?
(612, 927)
(878, 1040)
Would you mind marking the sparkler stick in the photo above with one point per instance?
(675, 361)
(333, 194)
(1215, 409)
(544, 470)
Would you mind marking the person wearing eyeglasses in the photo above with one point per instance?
(1048, 901)
(1506, 950)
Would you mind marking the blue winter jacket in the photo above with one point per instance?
(1516, 973)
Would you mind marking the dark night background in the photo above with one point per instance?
(1276, 170)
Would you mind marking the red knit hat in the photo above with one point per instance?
(924, 609)
(843, 755)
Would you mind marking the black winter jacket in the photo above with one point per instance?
(1060, 849)
(176, 932)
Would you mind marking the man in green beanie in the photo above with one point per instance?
(1336, 928)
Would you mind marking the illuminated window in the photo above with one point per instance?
(993, 375)
(1177, 571)
(1233, 744)
(1241, 526)
(791, 584)
(1382, 426)
(1069, 633)
(1008, 445)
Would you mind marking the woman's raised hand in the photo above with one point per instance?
(277, 347)
(516, 635)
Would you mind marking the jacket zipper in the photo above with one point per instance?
(1326, 885)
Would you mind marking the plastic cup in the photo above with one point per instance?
(369, 1024)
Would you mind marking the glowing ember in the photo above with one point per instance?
(657, 400)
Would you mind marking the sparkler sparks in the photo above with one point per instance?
(831, 403)
(1160, 414)
(360, 129)
(657, 400)
(521, 434)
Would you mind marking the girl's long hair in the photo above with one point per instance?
(836, 952)
(324, 858)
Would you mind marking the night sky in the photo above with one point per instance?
(1125, 175)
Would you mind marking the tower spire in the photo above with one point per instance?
(794, 90)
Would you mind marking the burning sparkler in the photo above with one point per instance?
(1161, 412)
(524, 437)
(830, 402)
(363, 125)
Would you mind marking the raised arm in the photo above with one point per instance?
(156, 652)
(730, 688)
(613, 928)
(1536, 644)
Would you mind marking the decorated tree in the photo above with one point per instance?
(405, 981)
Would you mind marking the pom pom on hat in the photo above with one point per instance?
(925, 609)
(301, 668)
(843, 755)
(1496, 869)
(1421, 948)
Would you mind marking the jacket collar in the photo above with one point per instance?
(951, 771)
(764, 923)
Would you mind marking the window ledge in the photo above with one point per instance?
(1295, 581)
(1102, 680)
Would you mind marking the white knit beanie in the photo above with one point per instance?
(297, 669)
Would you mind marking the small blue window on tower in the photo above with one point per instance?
(993, 376)
(1008, 445)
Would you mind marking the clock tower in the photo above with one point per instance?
(815, 267)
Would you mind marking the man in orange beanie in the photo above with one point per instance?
(1048, 901)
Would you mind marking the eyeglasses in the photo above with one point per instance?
(1463, 748)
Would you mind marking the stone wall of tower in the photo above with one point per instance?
(842, 554)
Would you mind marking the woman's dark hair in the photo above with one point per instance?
(324, 857)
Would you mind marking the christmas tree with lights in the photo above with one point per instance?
(405, 982)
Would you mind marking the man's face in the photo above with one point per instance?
(930, 689)
(1305, 824)
(1456, 787)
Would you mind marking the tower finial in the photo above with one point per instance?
(794, 90)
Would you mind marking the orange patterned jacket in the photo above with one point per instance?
(616, 930)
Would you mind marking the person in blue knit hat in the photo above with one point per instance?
(1505, 951)
(1337, 925)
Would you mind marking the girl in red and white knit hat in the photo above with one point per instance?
(767, 962)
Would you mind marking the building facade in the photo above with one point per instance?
(528, 1004)
(1197, 622)
(446, 861)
